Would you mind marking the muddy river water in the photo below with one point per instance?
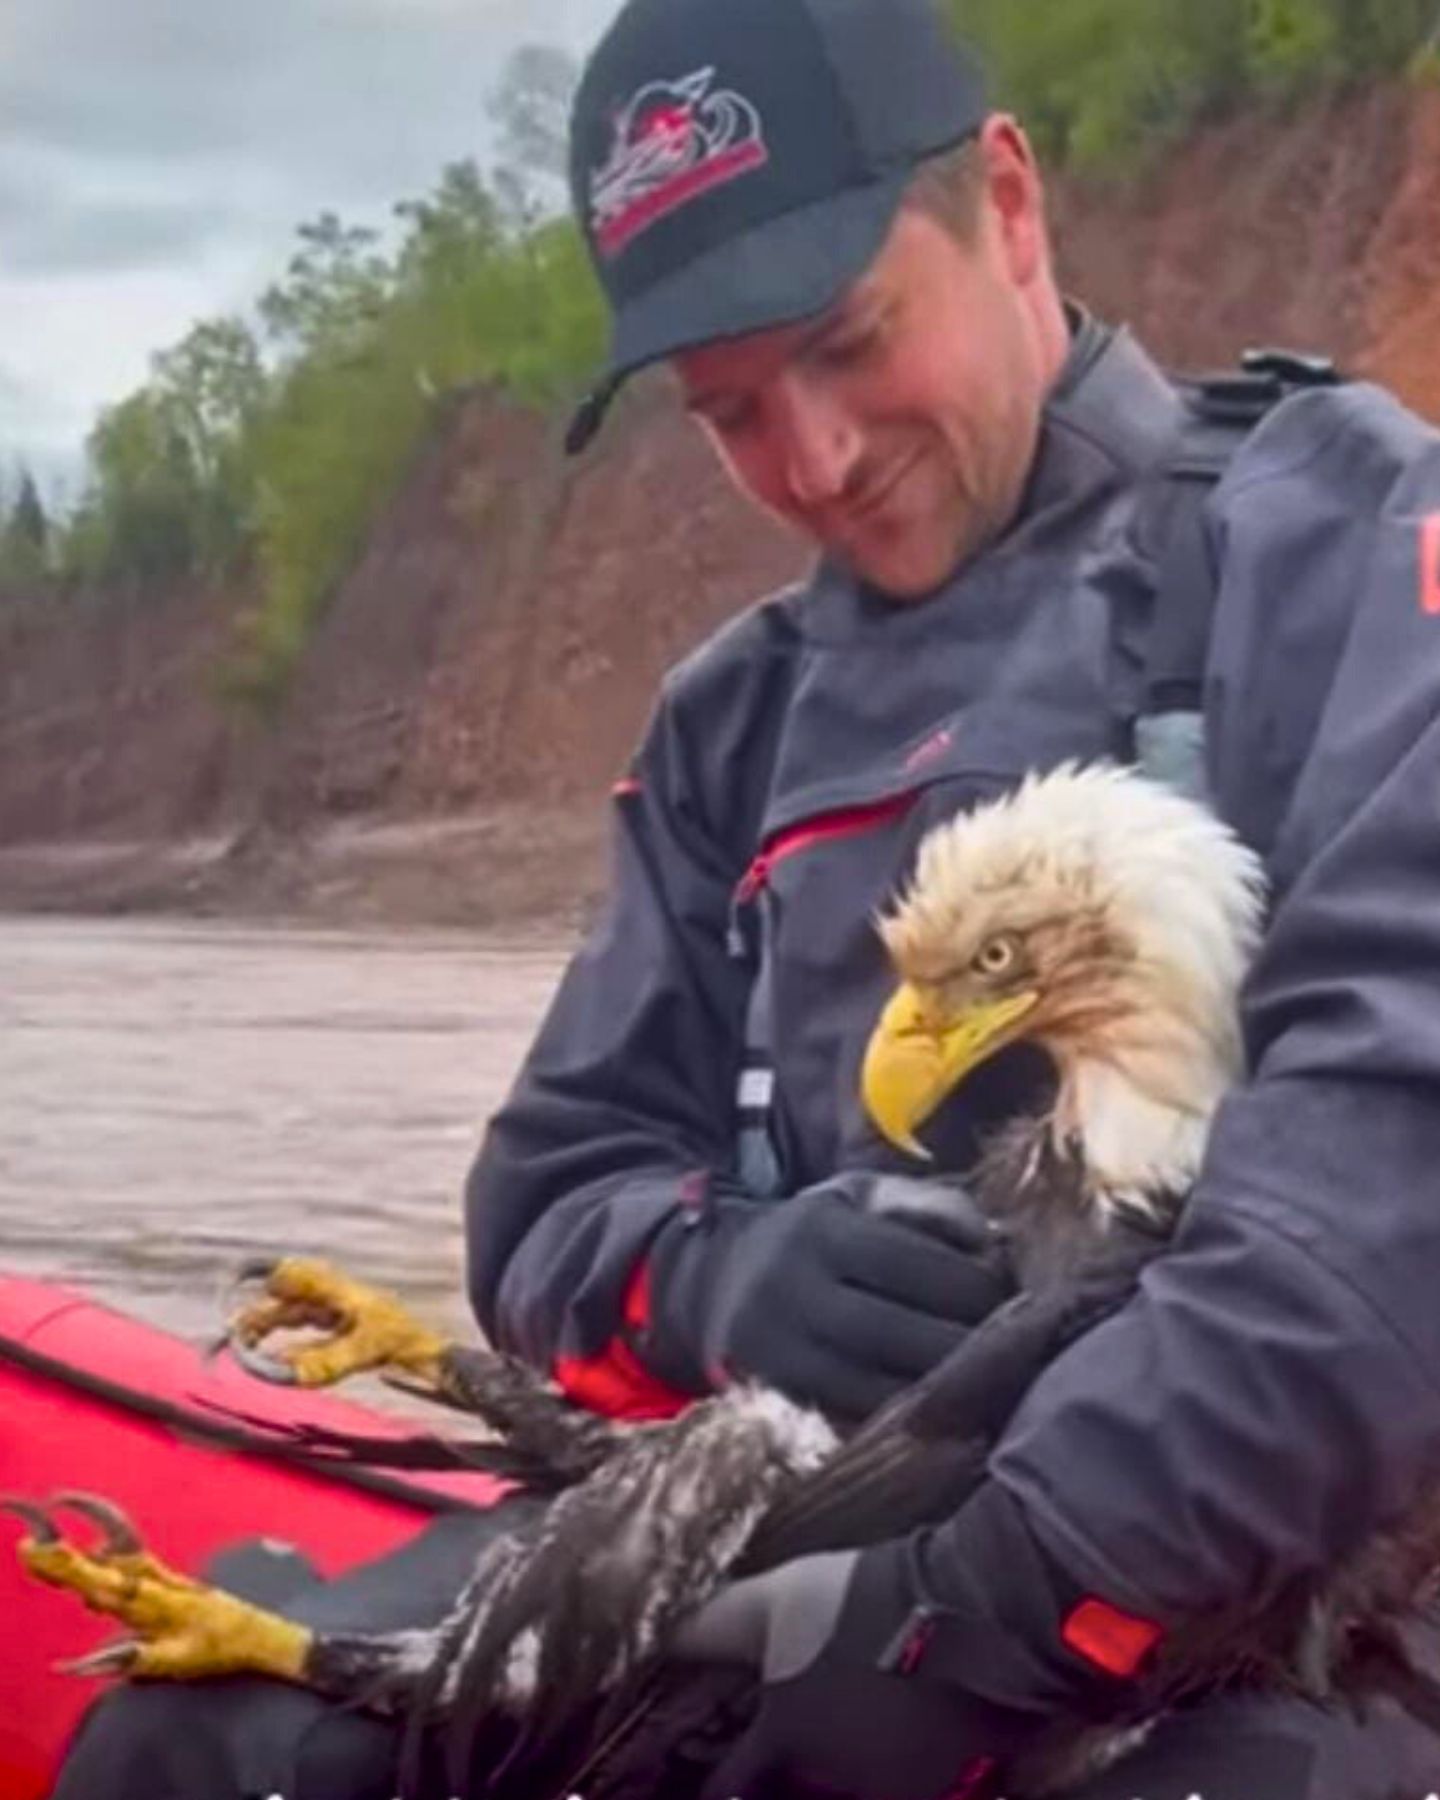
(175, 1096)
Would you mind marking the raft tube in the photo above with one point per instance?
(90, 1399)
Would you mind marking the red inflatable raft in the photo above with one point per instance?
(90, 1399)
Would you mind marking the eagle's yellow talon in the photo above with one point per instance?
(182, 1629)
(368, 1329)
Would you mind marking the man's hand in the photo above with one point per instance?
(839, 1711)
(840, 1296)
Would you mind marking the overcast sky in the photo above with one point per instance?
(157, 155)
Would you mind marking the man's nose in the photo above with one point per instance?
(822, 442)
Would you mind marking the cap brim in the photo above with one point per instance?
(784, 270)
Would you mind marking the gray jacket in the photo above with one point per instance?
(1273, 1391)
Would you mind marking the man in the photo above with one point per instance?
(806, 208)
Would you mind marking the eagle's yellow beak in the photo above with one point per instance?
(915, 1057)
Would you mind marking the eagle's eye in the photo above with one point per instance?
(995, 958)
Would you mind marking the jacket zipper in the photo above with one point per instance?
(845, 821)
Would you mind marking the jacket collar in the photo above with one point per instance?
(1110, 395)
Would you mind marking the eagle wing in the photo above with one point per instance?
(919, 1458)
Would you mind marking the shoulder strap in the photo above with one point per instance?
(1220, 412)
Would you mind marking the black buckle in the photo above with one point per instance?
(1293, 367)
(1235, 399)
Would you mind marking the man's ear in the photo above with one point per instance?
(1015, 198)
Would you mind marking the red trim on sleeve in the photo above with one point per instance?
(1114, 1641)
(1430, 564)
(977, 1780)
(622, 790)
(616, 1383)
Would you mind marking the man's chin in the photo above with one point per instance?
(905, 577)
(907, 566)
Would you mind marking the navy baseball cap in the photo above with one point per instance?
(737, 164)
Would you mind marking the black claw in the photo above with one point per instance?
(119, 1536)
(256, 1268)
(110, 1659)
(266, 1368)
(42, 1527)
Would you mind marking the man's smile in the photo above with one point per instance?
(877, 495)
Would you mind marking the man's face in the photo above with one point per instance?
(897, 429)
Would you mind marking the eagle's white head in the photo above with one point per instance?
(1102, 917)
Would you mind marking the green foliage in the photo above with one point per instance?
(1424, 66)
(1377, 36)
(24, 540)
(171, 484)
(329, 449)
(369, 347)
(138, 524)
(1293, 44)
(1103, 84)
(213, 388)
(334, 290)
(481, 287)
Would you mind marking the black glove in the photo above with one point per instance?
(875, 1688)
(839, 1296)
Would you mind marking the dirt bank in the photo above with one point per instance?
(485, 667)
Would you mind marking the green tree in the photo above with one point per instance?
(213, 389)
(1097, 80)
(29, 524)
(338, 421)
(138, 520)
(214, 384)
(367, 348)
(1294, 44)
(25, 538)
(531, 109)
(1104, 83)
(334, 290)
(483, 293)
(1377, 35)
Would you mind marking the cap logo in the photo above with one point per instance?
(674, 141)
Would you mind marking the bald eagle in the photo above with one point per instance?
(1110, 922)
(1102, 918)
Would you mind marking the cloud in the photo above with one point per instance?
(17, 395)
(61, 227)
(353, 91)
(40, 430)
(158, 154)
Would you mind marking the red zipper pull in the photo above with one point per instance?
(754, 878)
(747, 890)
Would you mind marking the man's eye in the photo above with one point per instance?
(839, 352)
(729, 420)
